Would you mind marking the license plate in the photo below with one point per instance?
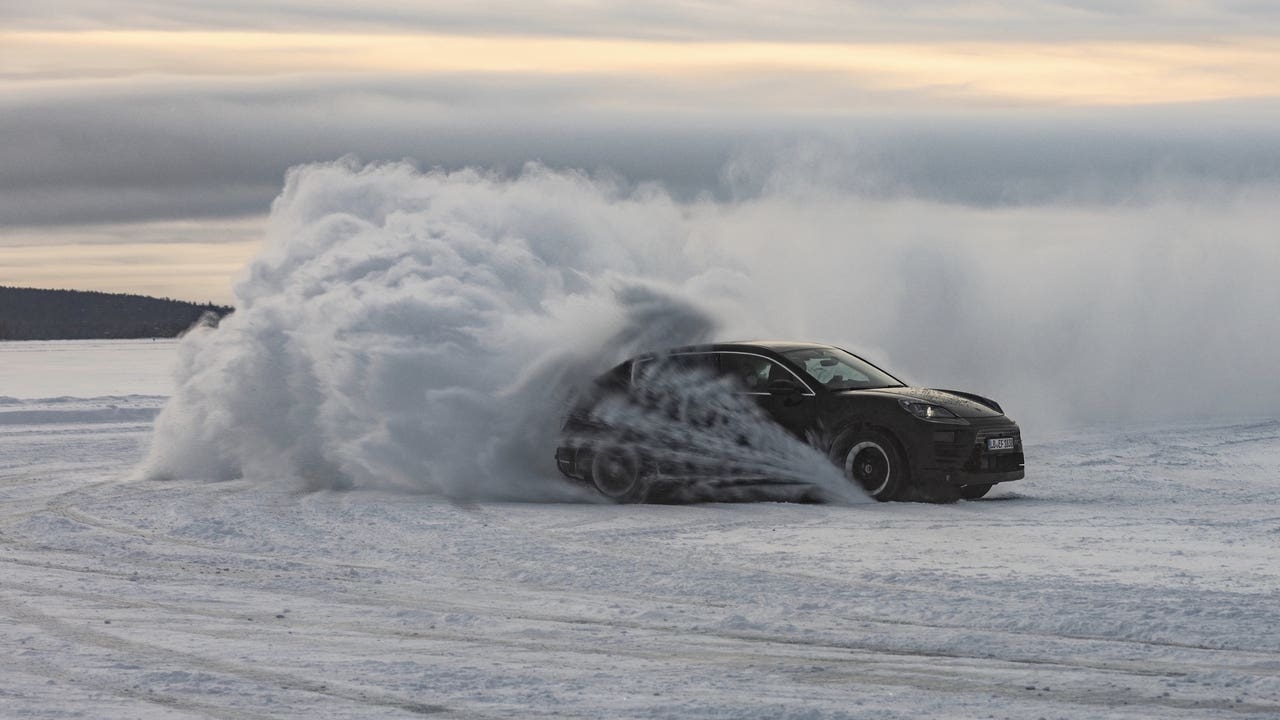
(999, 443)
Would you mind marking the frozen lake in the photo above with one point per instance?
(85, 368)
(1133, 574)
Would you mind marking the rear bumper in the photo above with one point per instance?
(567, 461)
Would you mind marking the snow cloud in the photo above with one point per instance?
(424, 330)
(1157, 309)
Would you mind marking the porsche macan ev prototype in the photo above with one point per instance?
(894, 441)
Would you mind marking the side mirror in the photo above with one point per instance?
(783, 386)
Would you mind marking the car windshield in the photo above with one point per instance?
(839, 370)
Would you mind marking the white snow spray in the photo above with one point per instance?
(701, 437)
(428, 330)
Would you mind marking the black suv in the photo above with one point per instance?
(893, 441)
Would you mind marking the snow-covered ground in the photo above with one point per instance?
(86, 368)
(1133, 574)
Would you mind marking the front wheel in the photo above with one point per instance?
(871, 460)
(973, 492)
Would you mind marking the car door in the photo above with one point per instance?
(752, 374)
(673, 384)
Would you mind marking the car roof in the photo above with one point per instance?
(777, 346)
(781, 345)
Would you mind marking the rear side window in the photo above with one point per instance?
(616, 378)
(751, 373)
(681, 364)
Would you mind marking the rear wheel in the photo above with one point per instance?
(973, 492)
(871, 460)
(618, 473)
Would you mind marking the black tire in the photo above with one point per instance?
(871, 460)
(618, 473)
(973, 492)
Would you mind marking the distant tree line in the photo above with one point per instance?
(32, 314)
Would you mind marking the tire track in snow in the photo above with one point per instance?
(62, 506)
(81, 634)
(682, 635)
(872, 665)
(494, 596)
(897, 587)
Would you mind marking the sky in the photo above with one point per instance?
(142, 142)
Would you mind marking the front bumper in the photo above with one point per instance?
(960, 456)
(961, 477)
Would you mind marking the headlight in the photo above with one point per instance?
(931, 412)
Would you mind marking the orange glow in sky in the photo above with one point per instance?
(966, 72)
(625, 77)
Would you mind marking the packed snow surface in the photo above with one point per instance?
(1133, 574)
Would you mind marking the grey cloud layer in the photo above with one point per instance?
(832, 20)
(220, 148)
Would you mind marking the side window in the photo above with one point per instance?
(830, 371)
(750, 372)
(679, 365)
(701, 363)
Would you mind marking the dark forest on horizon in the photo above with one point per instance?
(38, 314)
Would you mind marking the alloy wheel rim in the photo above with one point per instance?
(868, 465)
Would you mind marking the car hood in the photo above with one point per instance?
(964, 405)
